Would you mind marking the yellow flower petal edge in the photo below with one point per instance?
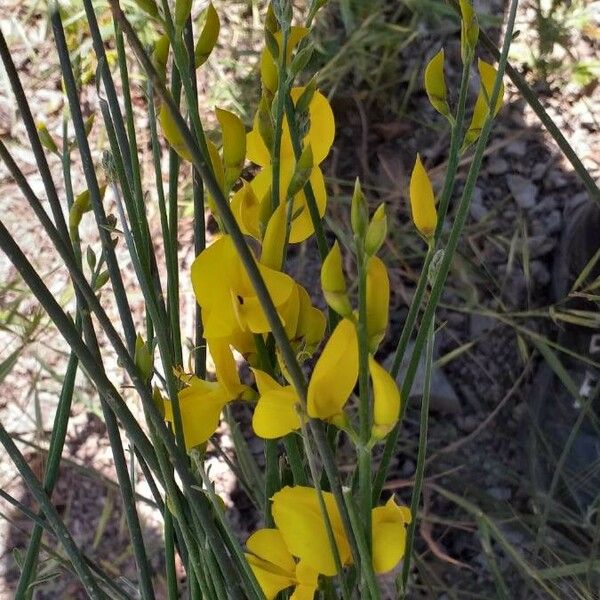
(208, 36)
(422, 200)
(333, 282)
(386, 400)
(335, 373)
(297, 515)
(388, 525)
(435, 84)
(378, 300)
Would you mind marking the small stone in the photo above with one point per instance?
(443, 398)
(553, 222)
(540, 272)
(517, 148)
(524, 192)
(497, 166)
(478, 211)
(503, 494)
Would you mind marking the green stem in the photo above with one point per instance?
(279, 112)
(364, 406)
(422, 451)
(59, 528)
(364, 548)
(449, 251)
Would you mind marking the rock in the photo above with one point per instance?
(524, 192)
(443, 397)
(553, 222)
(480, 324)
(497, 166)
(517, 148)
(540, 245)
(478, 211)
(540, 272)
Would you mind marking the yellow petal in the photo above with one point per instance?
(389, 535)
(208, 36)
(311, 322)
(422, 201)
(268, 544)
(304, 592)
(297, 514)
(200, 404)
(435, 83)
(225, 366)
(487, 76)
(386, 400)
(335, 373)
(246, 209)
(320, 135)
(265, 383)
(270, 579)
(333, 282)
(171, 132)
(234, 145)
(268, 68)
(275, 414)
(274, 239)
(378, 299)
(219, 172)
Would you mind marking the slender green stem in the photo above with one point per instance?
(61, 531)
(422, 451)
(311, 201)
(456, 138)
(279, 114)
(364, 548)
(449, 251)
(364, 405)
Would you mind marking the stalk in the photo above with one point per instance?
(448, 253)
(420, 469)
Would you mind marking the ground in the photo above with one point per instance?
(497, 299)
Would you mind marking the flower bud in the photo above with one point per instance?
(469, 30)
(359, 213)
(386, 400)
(435, 84)
(422, 201)
(376, 231)
(208, 36)
(334, 283)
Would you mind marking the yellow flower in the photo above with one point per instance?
(200, 403)
(275, 414)
(275, 568)
(333, 282)
(378, 299)
(435, 84)
(319, 136)
(234, 146)
(226, 295)
(422, 201)
(487, 76)
(388, 524)
(469, 29)
(311, 324)
(386, 400)
(298, 517)
(335, 374)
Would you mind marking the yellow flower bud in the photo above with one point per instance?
(469, 29)
(359, 213)
(143, 358)
(422, 201)
(172, 133)
(376, 231)
(234, 145)
(274, 240)
(435, 84)
(208, 36)
(487, 77)
(334, 283)
(378, 298)
(335, 373)
(386, 400)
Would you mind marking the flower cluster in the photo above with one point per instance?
(297, 550)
